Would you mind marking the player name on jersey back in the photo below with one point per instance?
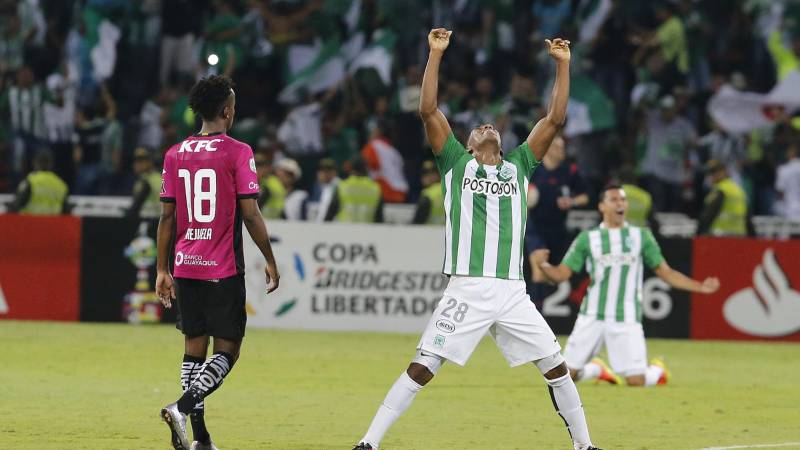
(206, 176)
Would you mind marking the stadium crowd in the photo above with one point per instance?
(328, 90)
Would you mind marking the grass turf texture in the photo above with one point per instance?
(89, 386)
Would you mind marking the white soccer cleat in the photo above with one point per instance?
(199, 446)
(176, 421)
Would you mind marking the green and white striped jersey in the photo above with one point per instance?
(613, 258)
(486, 210)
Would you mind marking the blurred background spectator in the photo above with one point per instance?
(661, 87)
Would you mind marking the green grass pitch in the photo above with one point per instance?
(86, 386)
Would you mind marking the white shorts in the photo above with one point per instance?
(471, 306)
(627, 353)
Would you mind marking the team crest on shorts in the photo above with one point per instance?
(438, 341)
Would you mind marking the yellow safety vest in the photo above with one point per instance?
(732, 218)
(434, 194)
(359, 198)
(273, 208)
(152, 206)
(48, 193)
(639, 204)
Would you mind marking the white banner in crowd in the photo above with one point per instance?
(347, 277)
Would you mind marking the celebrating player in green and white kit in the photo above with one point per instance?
(486, 209)
(614, 254)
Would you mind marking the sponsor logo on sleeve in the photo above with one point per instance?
(438, 341)
(253, 165)
(253, 185)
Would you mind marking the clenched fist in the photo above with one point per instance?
(439, 39)
(558, 49)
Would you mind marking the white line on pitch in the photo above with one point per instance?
(785, 444)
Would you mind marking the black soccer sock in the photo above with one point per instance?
(208, 380)
(199, 430)
(191, 367)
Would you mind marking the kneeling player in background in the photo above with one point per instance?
(611, 312)
(209, 187)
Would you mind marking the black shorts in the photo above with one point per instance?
(212, 308)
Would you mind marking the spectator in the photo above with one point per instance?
(430, 208)
(727, 148)
(22, 105)
(145, 202)
(288, 172)
(42, 192)
(668, 139)
(357, 198)
(325, 187)
(788, 183)
(59, 124)
(12, 45)
(725, 212)
(560, 188)
(272, 197)
(98, 137)
(640, 202)
(180, 25)
(385, 165)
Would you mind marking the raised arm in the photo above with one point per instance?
(436, 127)
(545, 130)
(681, 281)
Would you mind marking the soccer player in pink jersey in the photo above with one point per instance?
(209, 187)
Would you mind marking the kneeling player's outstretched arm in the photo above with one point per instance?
(437, 128)
(681, 281)
(546, 129)
(251, 216)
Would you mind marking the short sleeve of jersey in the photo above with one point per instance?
(651, 252)
(451, 152)
(168, 179)
(523, 158)
(577, 253)
(245, 173)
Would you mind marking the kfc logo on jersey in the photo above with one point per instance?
(771, 307)
(196, 146)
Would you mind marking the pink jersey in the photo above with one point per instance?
(205, 176)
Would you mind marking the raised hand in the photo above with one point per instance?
(439, 39)
(558, 49)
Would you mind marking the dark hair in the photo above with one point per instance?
(209, 95)
(607, 188)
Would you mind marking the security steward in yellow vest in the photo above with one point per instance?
(430, 208)
(147, 187)
(640, 202)
(357, 199)
(42, 192)
(725, 212)
(272, 195)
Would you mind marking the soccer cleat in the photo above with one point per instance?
(200, 446)
(606, 374)
(176, 421)
(664, 378)
(364, 446)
